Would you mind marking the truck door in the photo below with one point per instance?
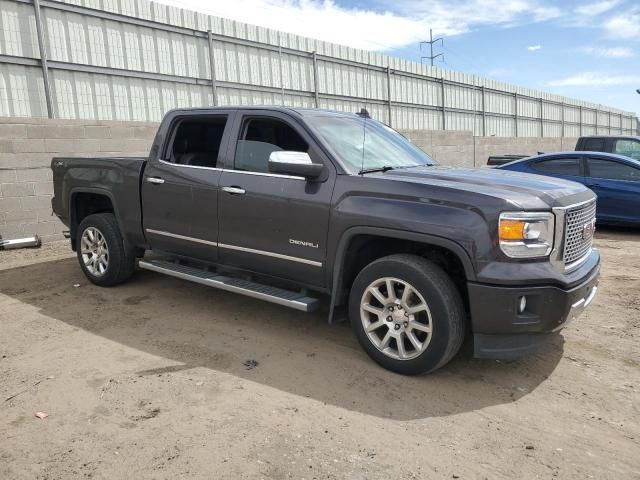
(180, 187)
(270, 223)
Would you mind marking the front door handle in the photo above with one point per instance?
(234, 190)
(155, 180)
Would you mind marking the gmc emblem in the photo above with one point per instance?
(589, 229)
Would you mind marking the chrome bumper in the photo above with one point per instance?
(578, 307)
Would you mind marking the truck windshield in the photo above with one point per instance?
(370, 146)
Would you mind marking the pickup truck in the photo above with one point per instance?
(627, 145)
(287, 205)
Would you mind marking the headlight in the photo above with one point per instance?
(526, 234)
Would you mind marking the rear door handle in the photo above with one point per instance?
(234, 190)
(155, 180)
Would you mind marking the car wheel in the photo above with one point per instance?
(407, 314)
(101, 251)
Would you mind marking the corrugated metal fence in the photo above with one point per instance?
(136, 59)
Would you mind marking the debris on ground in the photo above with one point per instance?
(250, 364)
(41, 415)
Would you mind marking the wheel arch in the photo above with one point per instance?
(358, 246)
(87, 201)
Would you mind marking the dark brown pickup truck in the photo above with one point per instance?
(288, 205)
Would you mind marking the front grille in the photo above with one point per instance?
(576, 247)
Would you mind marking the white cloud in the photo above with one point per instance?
(626, 25)
(612, 52)
(593, 79)
(596, 8)
(533, 48)
(404, 22)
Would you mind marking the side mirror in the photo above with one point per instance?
(298, 164)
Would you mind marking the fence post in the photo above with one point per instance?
(561, 119)
(609, 122)
(621, 131)
(541, 118)
(515, 112)
(212, 63)
(389, 94)
(444, 108)
(43, 59)
(580, 107)
(484, 113)
(316, 93)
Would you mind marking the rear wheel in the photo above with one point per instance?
(407, 314)
(101, 250)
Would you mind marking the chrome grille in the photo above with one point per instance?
(576, 247)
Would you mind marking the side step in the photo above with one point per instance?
(296, 300)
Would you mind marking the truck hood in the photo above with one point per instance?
(522, 190)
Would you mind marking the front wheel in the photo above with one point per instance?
(407, 314)
(102, 254)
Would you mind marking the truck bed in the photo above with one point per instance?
(116, 177)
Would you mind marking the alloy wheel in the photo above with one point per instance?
(396, 318)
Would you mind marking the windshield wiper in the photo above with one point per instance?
(386, 168)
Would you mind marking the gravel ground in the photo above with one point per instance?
(146, 380)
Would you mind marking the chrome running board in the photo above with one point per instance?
(287, 298)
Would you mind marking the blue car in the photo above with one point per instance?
(615, 179)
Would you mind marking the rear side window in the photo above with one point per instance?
(629, 148)
(612, 170)
(559, 166)
(593, 145)
(261, 136)
(196, 142)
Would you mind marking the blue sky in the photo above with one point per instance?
(588, 50)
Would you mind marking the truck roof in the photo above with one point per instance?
(618, 137)
(301, 111)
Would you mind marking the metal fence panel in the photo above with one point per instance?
(134, 59)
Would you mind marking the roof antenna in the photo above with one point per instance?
(364, 113)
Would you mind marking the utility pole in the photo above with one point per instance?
(431, 41)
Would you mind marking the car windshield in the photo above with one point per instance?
(367, 144)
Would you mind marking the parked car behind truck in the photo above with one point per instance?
(285, 204)
(615, 179)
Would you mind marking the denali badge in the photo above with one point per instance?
(588, 229)
(302, 243)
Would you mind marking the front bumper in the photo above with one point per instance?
(501, 331)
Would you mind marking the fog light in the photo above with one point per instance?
(522, 304)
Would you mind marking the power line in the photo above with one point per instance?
(431, 41)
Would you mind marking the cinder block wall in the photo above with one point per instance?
(461, 148)
(26, 148)
(27, 145)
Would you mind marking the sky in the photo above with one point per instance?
(588, 50)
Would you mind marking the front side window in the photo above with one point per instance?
(259, 138)
(628, 148)
(197, 141)
(364, 144)
(611, 170)
(559, 166)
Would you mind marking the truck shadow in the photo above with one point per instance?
(195, 326)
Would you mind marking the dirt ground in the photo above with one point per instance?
(146, 380)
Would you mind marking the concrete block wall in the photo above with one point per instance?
(453, 148)
(462, 149)
(26, 148)
(28, 144)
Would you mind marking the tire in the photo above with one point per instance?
(438, 329)
(114, 262)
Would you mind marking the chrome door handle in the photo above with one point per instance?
(155, 180)
(234, 190)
